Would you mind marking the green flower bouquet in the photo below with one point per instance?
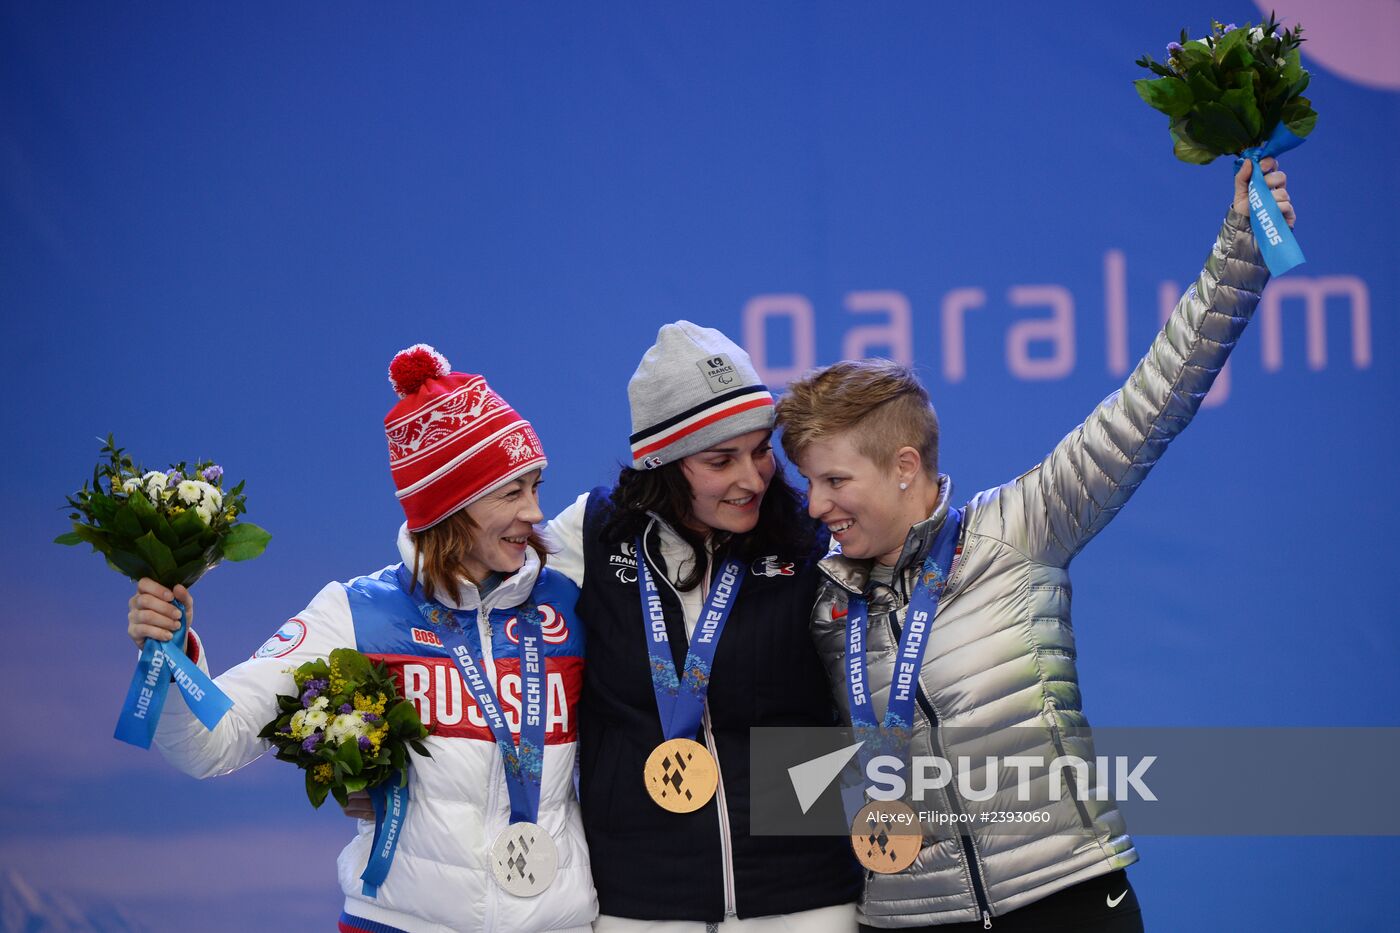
(170, 525)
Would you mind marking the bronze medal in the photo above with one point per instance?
(681, 775)
(886, 836)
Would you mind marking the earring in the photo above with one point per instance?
(903, 485)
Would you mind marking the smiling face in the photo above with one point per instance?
(504, 518)
(727, 482)
(859, 501)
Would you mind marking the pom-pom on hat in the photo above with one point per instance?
(410, 368)
(451, 438)
(693, 389)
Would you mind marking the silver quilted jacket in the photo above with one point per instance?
(1001, 650)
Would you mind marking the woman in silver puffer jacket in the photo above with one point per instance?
(1000, 649)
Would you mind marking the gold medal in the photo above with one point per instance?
(886, 836)
(681, 775)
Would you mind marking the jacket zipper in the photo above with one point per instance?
(969, 847)
(1057, 738)
(726, 842)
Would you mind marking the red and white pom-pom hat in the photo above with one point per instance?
(451, 439)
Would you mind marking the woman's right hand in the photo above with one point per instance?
(150, 613)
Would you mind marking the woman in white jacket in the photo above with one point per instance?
(466, 467)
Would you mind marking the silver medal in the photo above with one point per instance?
(524, 860)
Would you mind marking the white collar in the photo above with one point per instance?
(512, 591)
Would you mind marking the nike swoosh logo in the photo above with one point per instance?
(1115, 901)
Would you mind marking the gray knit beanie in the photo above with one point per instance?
(694, 388)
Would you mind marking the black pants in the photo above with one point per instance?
(1106, 904)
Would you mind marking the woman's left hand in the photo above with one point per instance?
(1274, 178)
(359, 806)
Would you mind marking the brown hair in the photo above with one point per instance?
(782, 529)
(881, 403)
(439, 564)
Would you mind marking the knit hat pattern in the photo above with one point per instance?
(451, 438)
(693, 389)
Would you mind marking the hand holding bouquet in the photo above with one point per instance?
(1237, 92)
(171, 526)
(350, 729)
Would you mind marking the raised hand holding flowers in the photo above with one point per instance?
(164, 529)
(1238, 91)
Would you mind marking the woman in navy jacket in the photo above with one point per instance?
(704, 488)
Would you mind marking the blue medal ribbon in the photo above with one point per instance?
(680, 700)
(1276, 242)
(160, 662)
(891, 735)
(390, 808)
(524, 766)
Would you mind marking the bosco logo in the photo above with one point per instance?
(552, 626)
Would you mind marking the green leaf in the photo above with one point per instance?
(125, 522)
(164, 532)
(154, 552)
(349, 755)
(103, 508)
(1231, 50)
(353, 666)
(1202, 87)
(1242, 104)
(420, 748)
(187, 552)
(94, 536)
(244, 541)
(316, 791)
(1214, 123)
(70, 538)
(404, 716)
(1187, 150)
(188, 525)
(1171, 96)
(354, 784)
(143, 510)
(1195, 54)
(188, 574)
(129, 564)
(1299, 116)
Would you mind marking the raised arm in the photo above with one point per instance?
(1052, 511)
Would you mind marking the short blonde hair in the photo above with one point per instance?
(881, 403)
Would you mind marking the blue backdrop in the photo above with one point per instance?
(217, 224)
